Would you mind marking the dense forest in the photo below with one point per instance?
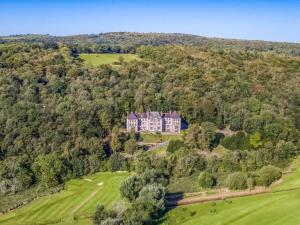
(61, 119)
(122, 42)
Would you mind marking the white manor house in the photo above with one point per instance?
(154, 122)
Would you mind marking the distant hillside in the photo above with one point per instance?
(127, 42)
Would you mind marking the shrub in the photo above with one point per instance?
(152, 199)
(151, 176)
(236, 181)
(131, 187)
(111, 221)
(189, 165)
(130, 146)
(269, 174)
(174, 145)
(206, 180)
(100, 215)
(117, 162)
(136, 215)
(250, 183)
(237, 141)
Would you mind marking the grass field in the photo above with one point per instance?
(100, 59)
(155, 138)
(74, 205)
(281, 207)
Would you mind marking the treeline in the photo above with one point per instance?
(127, 41)
(60, 119)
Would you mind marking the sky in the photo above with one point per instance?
(272, 20)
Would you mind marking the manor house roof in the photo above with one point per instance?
(154, 114)
(132, 116)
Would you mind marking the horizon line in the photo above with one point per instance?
(153, 32)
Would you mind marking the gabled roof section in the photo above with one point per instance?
(175, 115)
(143, 115)
(154, 115)
(132, 116)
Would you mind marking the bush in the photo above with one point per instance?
(117, 162)
(250, 183)
(152, 199)
(111, 221)
(206, 180)
(174, 145)
(148, 206)
(237, 141)
(131, 187)
(136, 215)
(151, 176)
(100, 215)
(188, 165)
(269, 174)
(236, 181)
(130, 146)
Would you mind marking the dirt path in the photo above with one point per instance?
(220, 196)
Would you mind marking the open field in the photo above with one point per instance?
(74, 205)
(281, 207)
(156, 138)
(100, 59)
(22, 197)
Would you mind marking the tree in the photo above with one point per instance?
(192, 137)
(117, 162)
(130, 146)
(207, 135)
(239, 141)
(209, 111)
(269, 174)
(100, 215)
(174, 145)
(152, 176)
(136, 215)
(195, 164)
(131, 187)
(152, 199)
(255, 140)
(236, 181)
(284, 150)
(117, 140)
(49, 169)
(206, 180)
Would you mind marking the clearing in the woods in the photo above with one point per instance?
(74, 205)
(100, 59)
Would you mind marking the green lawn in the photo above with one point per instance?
(156, 138)
(78, 200)
(100, 59)
(281, 207)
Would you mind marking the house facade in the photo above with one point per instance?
(154, 122)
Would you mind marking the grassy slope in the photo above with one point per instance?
(280, 207)
(100, 59)
(79, 199)
(154, 138)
